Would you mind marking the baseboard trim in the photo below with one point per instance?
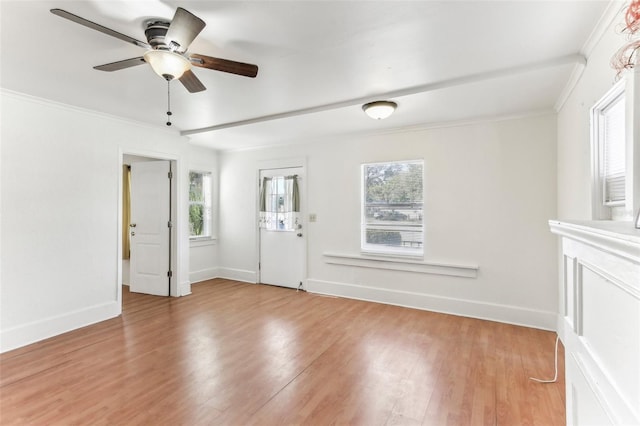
(185, 288)
(238, 275)
(481, 310)
(204, 275)
(35, 331)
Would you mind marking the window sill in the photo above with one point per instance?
(401, 255)
(396, 264)
(202, 241)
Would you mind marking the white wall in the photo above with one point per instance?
(574, 138)
(60, 204)
(490, 189)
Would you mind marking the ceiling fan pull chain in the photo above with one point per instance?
(168, 102)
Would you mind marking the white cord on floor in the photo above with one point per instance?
(555, 377)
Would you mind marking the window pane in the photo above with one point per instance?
(393, 207)
(196, 219)
(279, 214)
(614, 151)
(195, 186)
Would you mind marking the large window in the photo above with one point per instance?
(609, 159)
(392, 208)
(199, 205)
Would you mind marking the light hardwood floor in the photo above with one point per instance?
(245, 354)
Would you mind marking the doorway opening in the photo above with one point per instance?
(147, 236)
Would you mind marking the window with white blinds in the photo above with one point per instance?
(609, 145)
(613, 151)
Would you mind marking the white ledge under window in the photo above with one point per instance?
(396, 264)
(202, 241)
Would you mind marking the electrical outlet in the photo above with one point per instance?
(313, 217)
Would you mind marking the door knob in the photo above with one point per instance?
(299, 234)
(132, 225)
(133, 233)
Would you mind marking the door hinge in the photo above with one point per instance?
(170, 274)
(258, 266)
(169, 224)
(170, 175)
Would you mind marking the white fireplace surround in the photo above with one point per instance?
(599, 321)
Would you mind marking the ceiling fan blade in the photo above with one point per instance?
(224, 65)
(78, 20)
(115, 66)
(191, 82)
(184, 28)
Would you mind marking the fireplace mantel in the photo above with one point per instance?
(599, 320)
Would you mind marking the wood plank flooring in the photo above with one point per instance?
(243, 354)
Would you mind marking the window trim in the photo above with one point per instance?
(203, 239)
(397, 252)
(600, 208)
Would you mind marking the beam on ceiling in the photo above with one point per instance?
(577, 59)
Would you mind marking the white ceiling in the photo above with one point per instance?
(319, 61)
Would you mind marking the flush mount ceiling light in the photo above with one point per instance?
(379, 109)
(167, 64)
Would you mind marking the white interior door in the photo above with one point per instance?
(150, 227)
(282, 242)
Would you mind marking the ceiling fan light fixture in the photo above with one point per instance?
(379, 110)
(167, 64)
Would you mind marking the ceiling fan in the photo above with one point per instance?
(167, 44)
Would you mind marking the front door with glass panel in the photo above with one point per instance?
(282, 236)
